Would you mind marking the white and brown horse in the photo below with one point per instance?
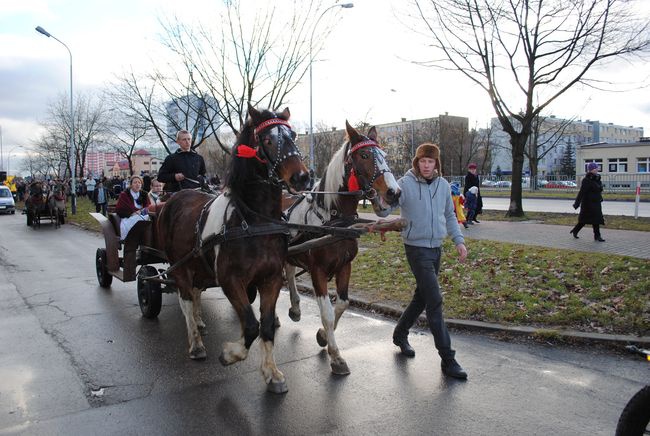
(246, 239)
(357, 170)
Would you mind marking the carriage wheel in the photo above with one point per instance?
(149, 295)
(30, 219)
(61, 217)
(103, 277)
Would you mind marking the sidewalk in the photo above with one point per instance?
(619, 242)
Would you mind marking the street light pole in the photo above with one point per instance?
(73, 165)
(311, 61)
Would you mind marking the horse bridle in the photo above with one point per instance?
(270, 164)
(369, 192)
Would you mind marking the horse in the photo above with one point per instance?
(358, 170)
(249, 240)
(56, 203)
(36, 203)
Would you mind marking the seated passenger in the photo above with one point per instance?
(132, 206)
(155, 201)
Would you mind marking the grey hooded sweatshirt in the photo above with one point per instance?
(429, 210)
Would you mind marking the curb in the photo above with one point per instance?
(481, 326)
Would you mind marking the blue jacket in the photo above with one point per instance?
(429, 210)
(471, 201)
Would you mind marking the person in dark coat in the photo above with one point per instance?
(471, 179)
(589, 201)
(184, 169)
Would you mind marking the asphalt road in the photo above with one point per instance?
(76, 359)
(566, 206)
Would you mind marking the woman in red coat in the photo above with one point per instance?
(132, 206)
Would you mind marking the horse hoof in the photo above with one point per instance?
(203, 330)
(321, 338)
(277, 387)
(294, 315)
(198, 354)
(340, 368)
(277, 322)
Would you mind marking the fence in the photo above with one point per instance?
(623, 183)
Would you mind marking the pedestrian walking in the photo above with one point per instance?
(100, 198)
(471, 204)
(589, 201)
(472, 179)
(426, 205)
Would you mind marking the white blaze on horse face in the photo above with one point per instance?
(383, 167)
(219, 213)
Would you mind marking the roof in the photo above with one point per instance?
(141, 152)
(642, 143)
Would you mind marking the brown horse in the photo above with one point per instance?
(249, 240)
(357, 170)
(36, 203)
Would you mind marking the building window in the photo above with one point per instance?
(598, 161)
(643, 165)
(618, 165)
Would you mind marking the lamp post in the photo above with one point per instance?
(2, 165)
(73, 185)
(311, 61)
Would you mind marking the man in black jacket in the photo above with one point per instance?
(183, 169)
(472, 179)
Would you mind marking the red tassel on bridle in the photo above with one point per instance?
(248, 152)
(353, 183)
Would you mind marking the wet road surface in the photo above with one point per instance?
(79, 359)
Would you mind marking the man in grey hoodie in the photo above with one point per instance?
(427, 206)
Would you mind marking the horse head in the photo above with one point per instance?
(366, 169)
(266, 149)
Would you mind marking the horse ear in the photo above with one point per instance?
(285, 114)
(352, 133)
(372, 134)
(253, 113)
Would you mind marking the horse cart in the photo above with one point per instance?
(45, 202)
(142, 249)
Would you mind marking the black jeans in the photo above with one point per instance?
(579, 227)
(425, 265)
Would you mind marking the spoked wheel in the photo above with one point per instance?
(149, 295)
(30, 219)
(635, 419)
(101, 266)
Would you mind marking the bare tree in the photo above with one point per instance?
(515, 50)
(256, 55)
(547, 133)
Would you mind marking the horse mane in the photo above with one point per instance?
(333, 179)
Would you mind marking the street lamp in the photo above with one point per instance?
(73, 185)
(311, 61)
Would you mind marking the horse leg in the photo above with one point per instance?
(325, 336)
(273, 377)
(187, 298)
(235, 351)
(197, 312)
(294, 310)
(342, 300)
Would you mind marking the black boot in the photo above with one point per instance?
(451, 368)
(599, 239)
(575, 234)
(404, 346)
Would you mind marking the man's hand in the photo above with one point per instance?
(462, 252)
(179, 177)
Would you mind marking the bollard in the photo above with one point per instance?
(636, 201)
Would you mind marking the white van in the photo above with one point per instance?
(7, 204)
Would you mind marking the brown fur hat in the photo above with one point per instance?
(427, 150)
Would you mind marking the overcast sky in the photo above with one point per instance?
(363, 74)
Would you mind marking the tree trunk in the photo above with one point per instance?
(518, 142)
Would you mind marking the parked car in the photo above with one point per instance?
(487, 183)
(558, 185)
(569, 183)
(7, 204)
(503, 184)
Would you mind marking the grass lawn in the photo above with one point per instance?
(517, 284)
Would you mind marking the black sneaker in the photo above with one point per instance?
(404, 346)
(477, 221)
(451, 368)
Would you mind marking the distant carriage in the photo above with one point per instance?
(44, 202)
